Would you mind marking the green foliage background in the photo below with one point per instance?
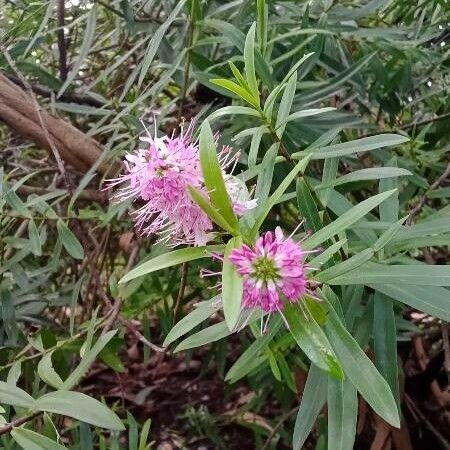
(341, 113)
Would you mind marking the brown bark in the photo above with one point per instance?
(21, 112)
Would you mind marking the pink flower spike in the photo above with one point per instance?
(274, 266)
(158, 176)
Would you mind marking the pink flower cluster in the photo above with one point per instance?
(274, 266)
(159, 175)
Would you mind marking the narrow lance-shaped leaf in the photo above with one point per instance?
(345, 220)
(170, 259)
(300, 167)
(249, 60)
(232, 285)
(385, 342)
(361, 371)
(311, 339)
(213, 177)
(313, 399)
(342, 414)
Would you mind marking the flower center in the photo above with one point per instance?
(265, 269)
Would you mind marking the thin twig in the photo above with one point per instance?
(181, 291)
(18, 422)
(429, 425)
(421, 202)
(446, 346)
(283, 419)
(61, 40)
(187, 66)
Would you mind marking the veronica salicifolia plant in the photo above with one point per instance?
(159, 177)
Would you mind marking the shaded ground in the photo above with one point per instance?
(193, 408)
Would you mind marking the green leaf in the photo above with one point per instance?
(232, 285)
(236, 89)
(313, 399)
(330, 167)
(170, 259)
(194, 318)
(12, 395)
(261, 22)
(34, 238)
(327, 254)
(87, 360)
(307, 206)
(249, 59)
(232, 110)
(432, 300)
(356, 146)
(80, 407)
(213, 176)
(311, 339)
(388, 235)
(69, 240)
(361, 371)
(47, 373)
(305, 113)
(345, 220)
(156, 39)
(8, 314)
(30, 440)
(348, 265)
(342, 414)
(205, 336)
(243, 364)
(285, 105)
(376, 173)
(373, 273)
(385, 342)
(300, 167)
(209, 209)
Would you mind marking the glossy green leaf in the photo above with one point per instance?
(300, 167)
(285, 105)
(80, 407)
(348, 265)
(69, 240)
(311, 339)
(209, 209)
(87, 360)
(47, 373)
(156, 39)
(356, 146)
(243, 364)
(30, 440)
(346, 220)
(170, 259)
(307, 206)
(373, 273)
(34, 238)
(194, 318)
(361, 371)
(375, 173)
(432, 300)
(342, 402)
(236, 89)
(213, 176)
(249, 59)
(385, 342)
(232, 285)
(205, 336)
(12, 395)
(313, 399)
